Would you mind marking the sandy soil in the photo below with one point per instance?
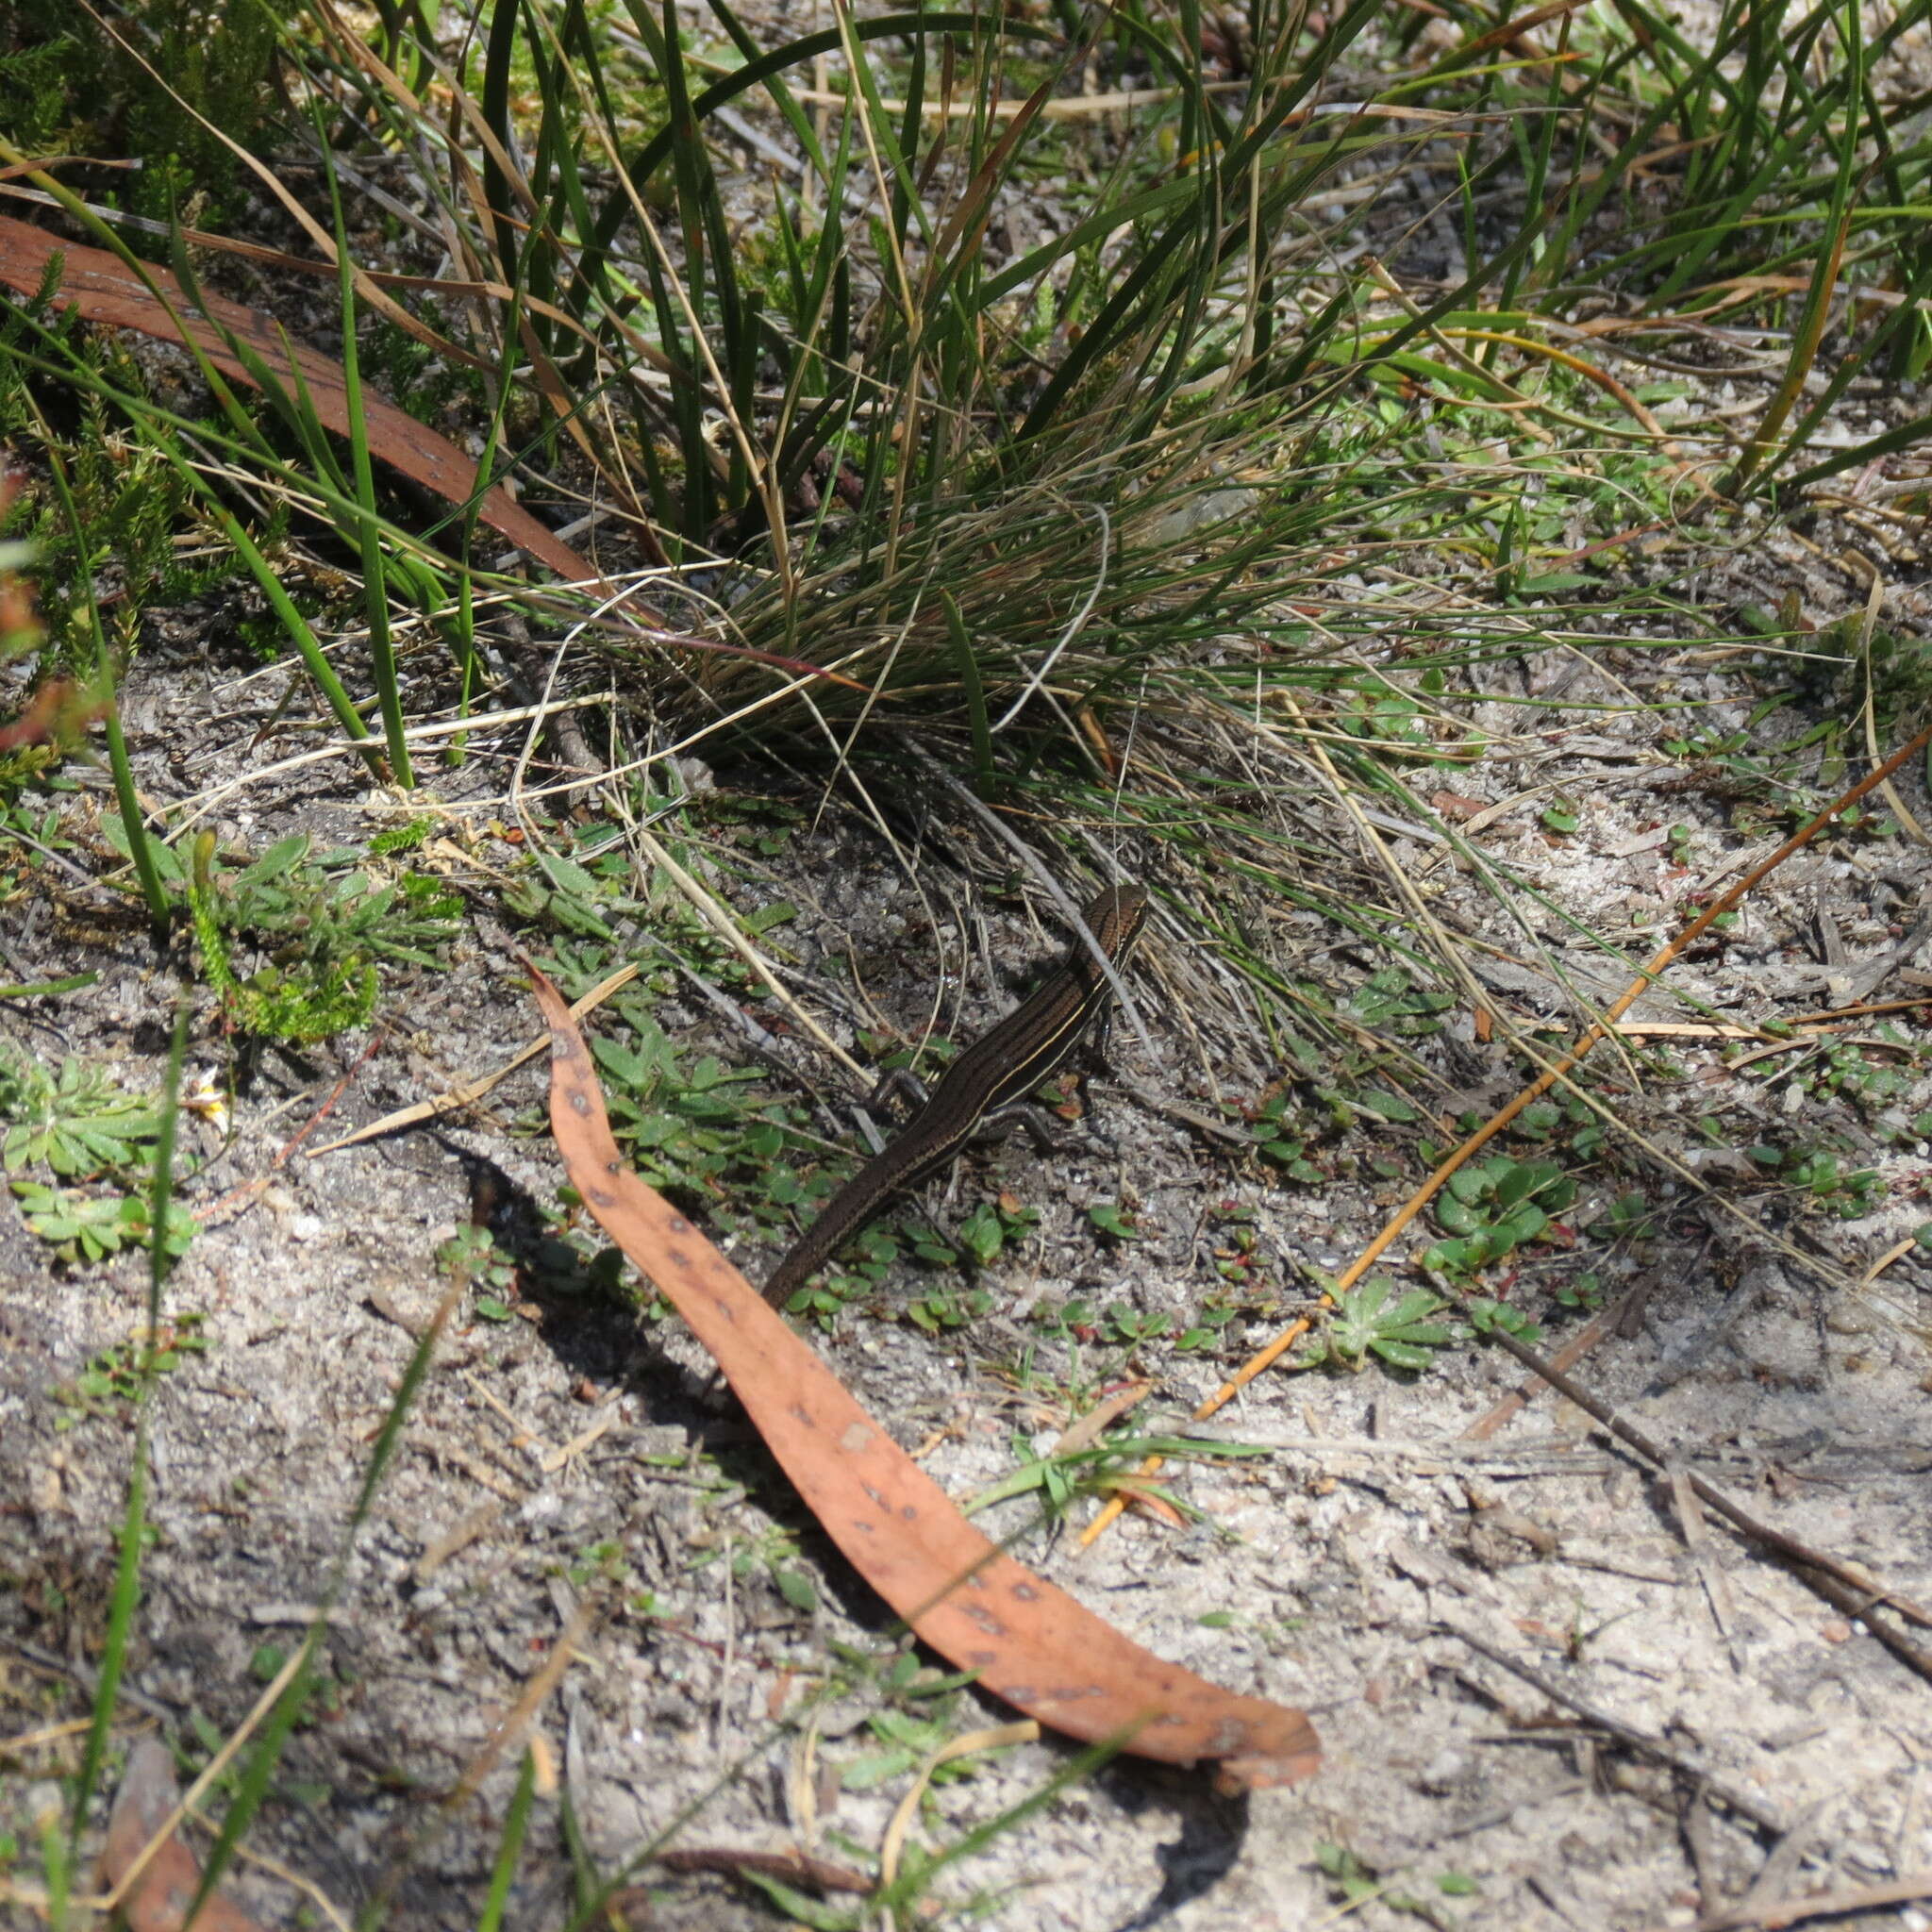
(1373, 1567)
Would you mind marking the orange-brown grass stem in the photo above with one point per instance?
(1595, 1032)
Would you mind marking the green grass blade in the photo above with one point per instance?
(973, 688)
(369, 528)
(499, 56)
(516, 1821)
(1816, 311)
(125, 1597)
(139, 847)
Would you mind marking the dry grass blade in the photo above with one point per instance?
(145, 1864)
(151, 1823)
(1391, 1229)
(468, 1093)
(906, 1815)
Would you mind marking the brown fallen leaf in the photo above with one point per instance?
(1028, 1641)
(105, 291)
(159, 1898)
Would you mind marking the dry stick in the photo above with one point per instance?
(1740, 1802)
(1841, 1014)
(1847, 1587)
(470, 1091)
(1598, 1030)
(1568, 1357)
(1647, 1446)
(1819, 1905)
(1859, 1604)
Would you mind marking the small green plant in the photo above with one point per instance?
(114, 1378)
(1356, 1886)
(1627, 1218)
(396, 839)
(37, 84)
(1283, 1140)
(1839, 660)
(1869, 1078)
(91, 1227)
(321, 930)
(1491, 1207)
(910, 1732)
(1387, 720)
(1545, 1120)
(1205, 1332)
(1366, 1322)
(1075, 1321)
(472, 1256)
(81, 1124)
(1131, 1327)
(941, 1308)
(1059, 1479)
(79, 1121)
(600, 1562)
(1585, 1293)
(217, 62)
(32, 835)
(1845, 1192)
(689, 1123)
(128, 502)
(1236, 1254)
(992, 1226)
(1390, 999)
(774, 1554)
(1488, 1317)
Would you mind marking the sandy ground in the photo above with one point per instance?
(1373, 1567)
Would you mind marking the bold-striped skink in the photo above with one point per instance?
(1000, 1071)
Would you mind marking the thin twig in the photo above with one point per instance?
(1851, 1588)
(1554, 1071)
(1819, 1905)
(1568, 1357)
(1641, 1742)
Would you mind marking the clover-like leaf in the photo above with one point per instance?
(1400, 1332)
